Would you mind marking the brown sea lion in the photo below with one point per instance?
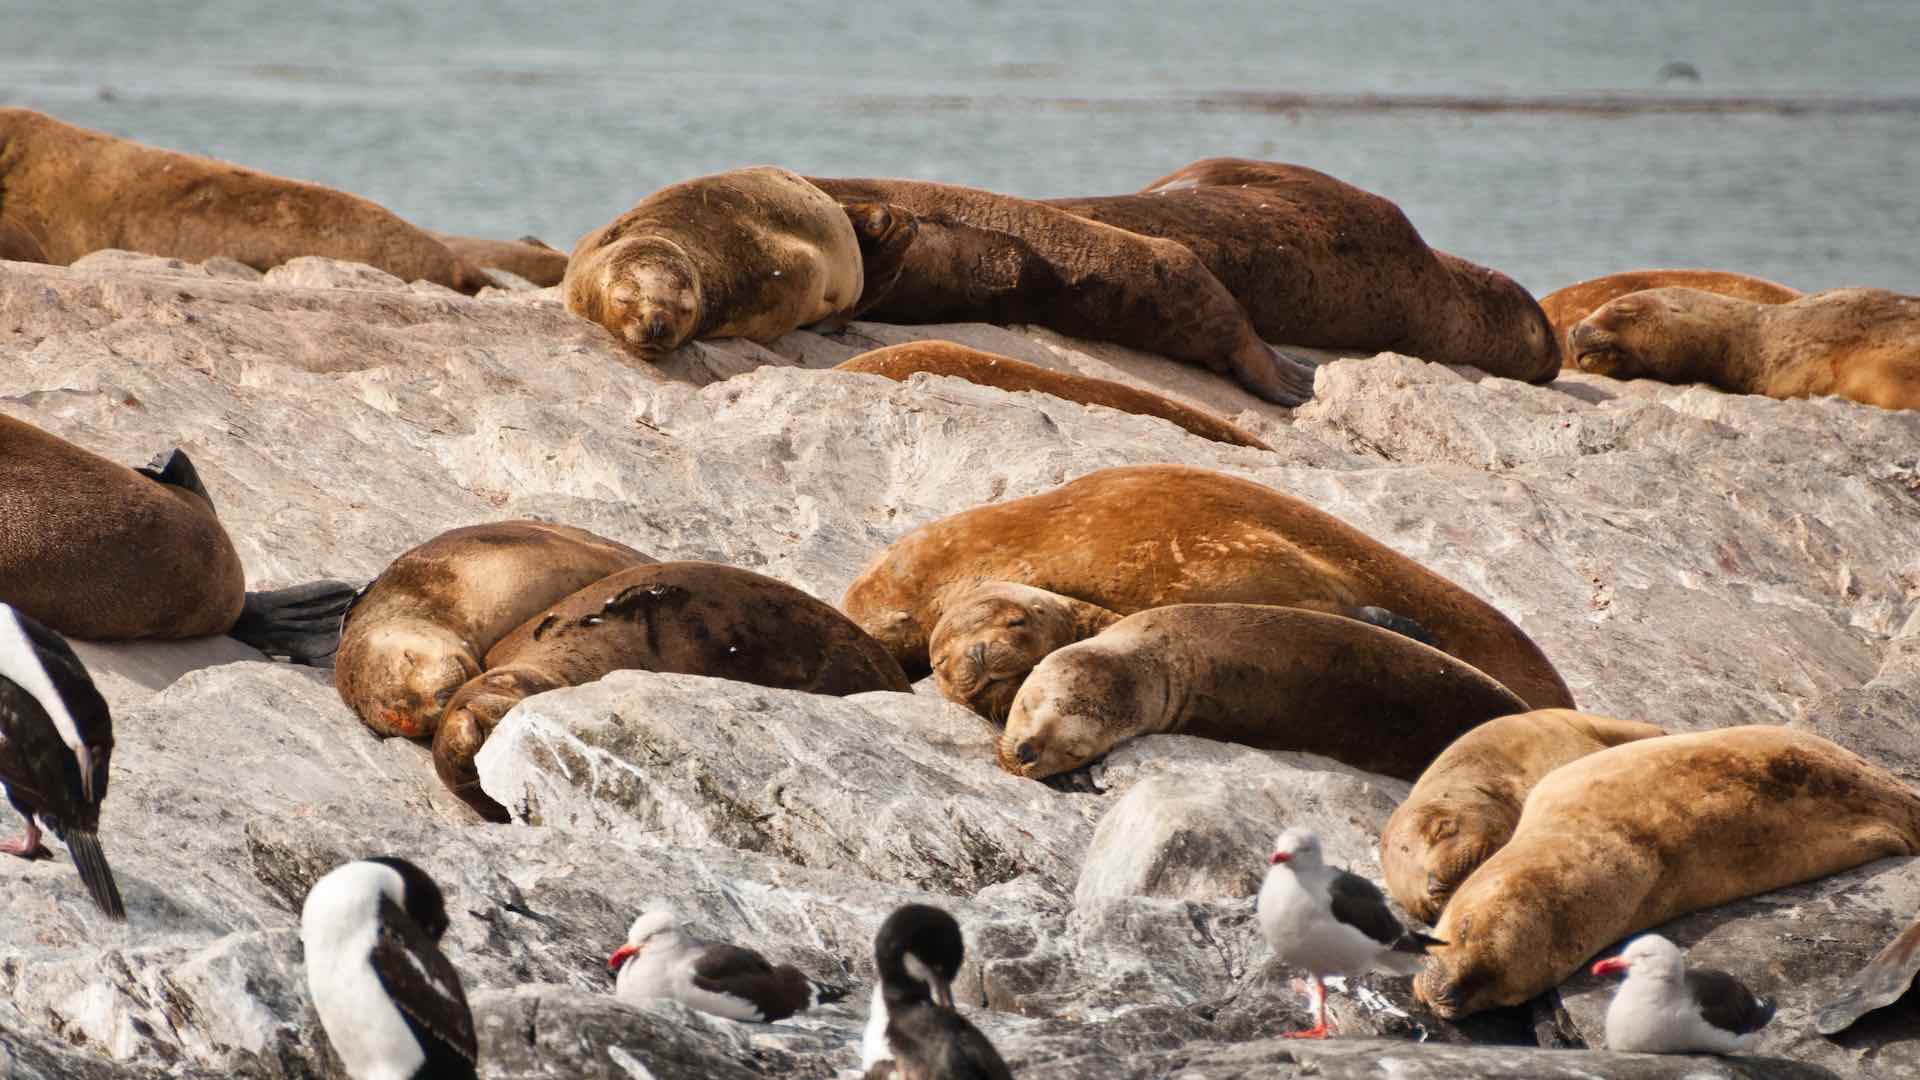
(1468, 801)
(528, 257)
(1324, 264)
(418, 631)
(750, 253)
(1862, 344)
(884, 232)
(688, 618)
(1635, 835)
(898, 362)
(99, 551)
(1145, 536)
(1566, 307)
(75, 191)
(1272, 677)
(983, 257)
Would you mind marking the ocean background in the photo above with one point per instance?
(1548, 138)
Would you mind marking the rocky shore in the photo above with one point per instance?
(1685, 557)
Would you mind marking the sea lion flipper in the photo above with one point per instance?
(1282, 376)
(537, 242)
(301, 623)
(1388, 620)
(1882, 982)
(175, 469)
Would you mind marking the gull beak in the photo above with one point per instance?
(942, 991)
(1610, 965)
(620, 956)
(1277, 858)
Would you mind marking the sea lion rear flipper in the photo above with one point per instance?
(1387, 620)
(301, 623)
(174, 468)
(537, 242)
(1282, 376)
(1882, 982)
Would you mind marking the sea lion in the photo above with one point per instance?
(884, 232)
(1862, 344)
(1272, 677)
(528, 257)
(417, 632)
(74, 191)
(1566, 307)
(103, 552)
(1467, 802)
(1321, 263)
(689, 618)
(983, 257)
(750, 253)
(1144, 536)
(1635, 835)
(898, 362)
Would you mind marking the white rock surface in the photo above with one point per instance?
(1685, 557)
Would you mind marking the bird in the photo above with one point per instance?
(1664, 1007)
(913, 1032)
(1330, 922)
(56, 738)
(390, 1001)
(660, 960)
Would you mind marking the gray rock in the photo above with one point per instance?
(320, 272)
(1881, 720)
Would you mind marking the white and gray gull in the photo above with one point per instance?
(660, 960)
(1664, 1007)
(56, 737)
(390, 1001)
(1330, 922)
(913, 1032)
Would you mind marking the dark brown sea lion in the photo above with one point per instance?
(983, 257)
(1566, 307)
(1272, 677)
(527, 257)
(899, 362)
(1324, 264)
(1468, 801)
(689, 618)
(418, 631)
(884, 232)
(1145, 536)
(750, 253)
(1632, 836)
(1861, 344)
(74, 191)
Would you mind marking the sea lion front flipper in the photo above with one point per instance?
(301, 623)
(1281, 376)
(1387, 620)
(175, 469)
(1882, 982)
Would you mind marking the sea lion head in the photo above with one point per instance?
(1448, 841)
(1073, 708)
(1673, 334)
(991, 636)
(404, 672)
(472, 714)
(648, 294)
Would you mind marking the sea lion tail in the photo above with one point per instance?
(84, 846)
(301, 623)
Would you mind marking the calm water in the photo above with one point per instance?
(1538, 136)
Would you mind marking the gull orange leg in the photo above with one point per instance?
(1319, 1029)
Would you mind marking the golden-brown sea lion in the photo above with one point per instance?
(418, 631)
(1272, 677)
(75, 191)
(1145, 536)
(1468, 801)
(983, 257)
(688, 618)
(1862, 344)
(1631, 836)
(1321, 263)
(528, 257)
(946, 358)
(750, 253)
(1566, 307)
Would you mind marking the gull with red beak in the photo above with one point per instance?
(1330, 922)
(56, 737)
(660, 960)
(1664, 1007)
